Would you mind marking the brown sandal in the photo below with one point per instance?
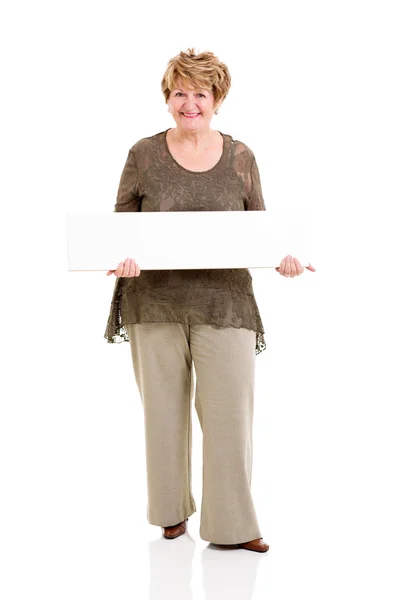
(173, 531)
(256, 545)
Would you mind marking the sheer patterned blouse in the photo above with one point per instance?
(152, 180)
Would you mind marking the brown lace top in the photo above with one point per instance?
(152, 180)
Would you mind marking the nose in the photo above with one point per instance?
(190, 104)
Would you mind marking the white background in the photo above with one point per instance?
(315, 94)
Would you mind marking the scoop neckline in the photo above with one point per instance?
(215, 167)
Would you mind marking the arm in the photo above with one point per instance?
(255, 200)
(128, 200)
(128, 196)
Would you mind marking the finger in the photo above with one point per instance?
(311, 268)
(119, 269)
(298, 267)
(282, 267)
(293, 268)
(293, 271)
(132, 268)
(136, 270)
(125, 270)
(301, 268)
(126, 267)
(287, 265)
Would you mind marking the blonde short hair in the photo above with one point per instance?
(202, 70)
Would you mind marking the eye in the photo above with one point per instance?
(199, 94)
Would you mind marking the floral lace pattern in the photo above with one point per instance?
(153, 181)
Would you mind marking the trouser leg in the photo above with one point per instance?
(224, 360)
(162, 364)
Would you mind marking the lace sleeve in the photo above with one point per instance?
(128, 196)
(129, 199)
(255, 197)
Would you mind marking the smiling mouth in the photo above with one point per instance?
(190, 115)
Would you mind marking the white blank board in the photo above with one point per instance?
(186, 239)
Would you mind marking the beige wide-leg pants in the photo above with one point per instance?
(224, 359)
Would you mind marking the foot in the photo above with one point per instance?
(174, 531)
(257, 545)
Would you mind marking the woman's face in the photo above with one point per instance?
(192, 110)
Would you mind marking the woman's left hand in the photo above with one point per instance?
(290, 267)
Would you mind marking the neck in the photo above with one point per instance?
(195, 139)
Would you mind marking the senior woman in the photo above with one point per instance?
(206, 317)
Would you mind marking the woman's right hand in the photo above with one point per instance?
(127, 268)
